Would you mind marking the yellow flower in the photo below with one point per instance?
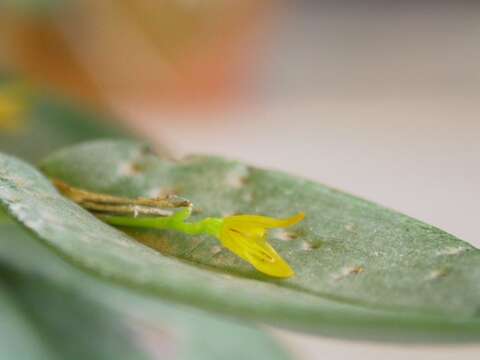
(245, 236)
(11, 109)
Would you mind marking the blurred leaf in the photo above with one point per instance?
(54, 323)
(44, 122)
(196, 335)
(35, 7)
(20, 339)
(39, 319)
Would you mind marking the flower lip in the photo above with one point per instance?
(245, 236)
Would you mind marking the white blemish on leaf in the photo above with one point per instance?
(437, 274)
(349, 227)
(237, 176)
(160, 192)
(451, 251)
(129, 169)
(306, 246)
(284, 235)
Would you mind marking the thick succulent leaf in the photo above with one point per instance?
(19, 339)
(195, 335)
(40, 318)
(54, 323)
(362, 270)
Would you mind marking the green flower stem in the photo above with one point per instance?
(210, 226)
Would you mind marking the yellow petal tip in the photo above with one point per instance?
(283, 273)
(295, 219)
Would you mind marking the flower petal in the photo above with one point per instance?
(250, 221)
(257, 252)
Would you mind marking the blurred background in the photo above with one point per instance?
(377, 98)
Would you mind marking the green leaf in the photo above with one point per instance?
(48, 320)
(362, 271)
(196, 335)
(39, 8)
(19, 339)
(45, 121)
(54, 323)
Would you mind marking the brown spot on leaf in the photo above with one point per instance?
(131, 169)
(437, 274)
(349, 271)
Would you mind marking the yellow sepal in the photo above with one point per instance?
(245, 236)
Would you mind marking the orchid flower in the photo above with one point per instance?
(244, 235)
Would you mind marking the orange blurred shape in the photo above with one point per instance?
(163, 53)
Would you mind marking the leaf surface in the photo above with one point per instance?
(363, 271)
(46, 296)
